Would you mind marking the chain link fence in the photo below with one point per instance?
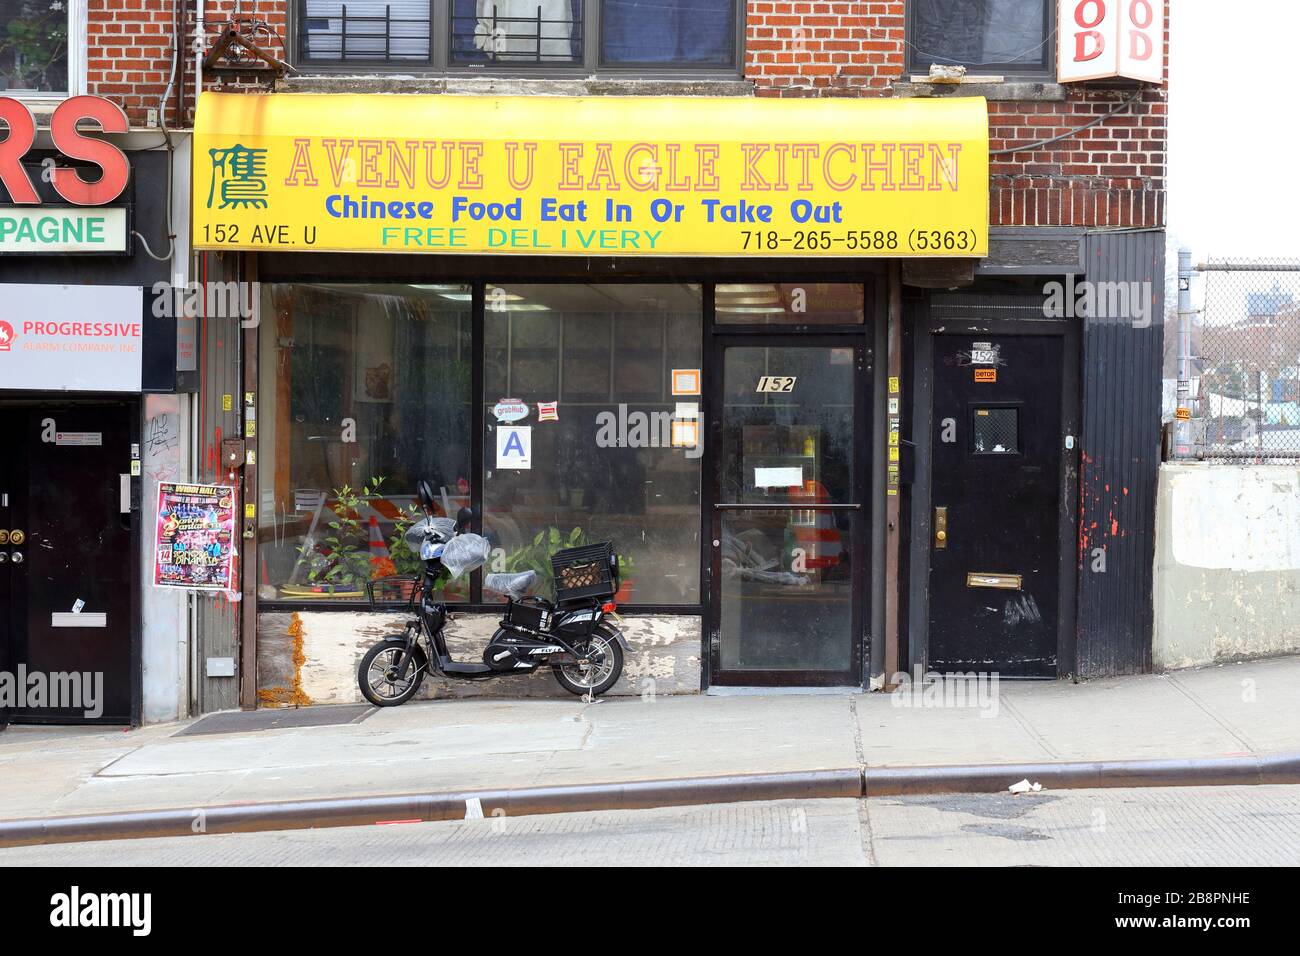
(1239, 362)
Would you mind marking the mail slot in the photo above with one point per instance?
(1007, 582)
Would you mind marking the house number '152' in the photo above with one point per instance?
(776, 383)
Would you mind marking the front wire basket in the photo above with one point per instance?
(394, 593)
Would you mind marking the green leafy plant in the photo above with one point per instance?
(347, 564)
(405, 561)
(408, 562)
(536, 556)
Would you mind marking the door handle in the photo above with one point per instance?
(940, 528)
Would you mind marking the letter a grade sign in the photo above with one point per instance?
(514, 446)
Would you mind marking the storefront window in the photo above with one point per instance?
(790, 303)
(365, 389)
(586, 440)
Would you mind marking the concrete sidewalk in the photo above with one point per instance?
(1231, 710)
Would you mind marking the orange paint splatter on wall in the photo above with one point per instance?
(289, 696)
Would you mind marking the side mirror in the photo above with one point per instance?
(424, 491)
(464, 518)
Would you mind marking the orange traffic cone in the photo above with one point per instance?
(381, 561)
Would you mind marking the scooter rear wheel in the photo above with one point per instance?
(597, 677)
(377, 675)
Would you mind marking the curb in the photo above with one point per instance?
(1251, 770)
(429, 807)
(647, 794)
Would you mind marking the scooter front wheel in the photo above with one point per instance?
(602, 671)
(377, 675)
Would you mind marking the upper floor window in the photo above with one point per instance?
(517, 32)
(34, 51)
(985, 36)
(521, 35)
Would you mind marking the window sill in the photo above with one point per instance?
(1040, 91)
(39, 103)
(517, 86)
(288, 606)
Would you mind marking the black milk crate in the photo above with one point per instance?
(530, 613)
(589, 571)
(393, 593)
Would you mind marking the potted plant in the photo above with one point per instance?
(404, 560)
(536, 556)
(625, 584)
(342, 559)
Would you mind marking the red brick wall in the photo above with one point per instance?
(130, 43)
(1110, 175)
(129, 51)
(824, 48)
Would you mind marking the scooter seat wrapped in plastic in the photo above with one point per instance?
(513, 586)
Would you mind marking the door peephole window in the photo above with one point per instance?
(995, 431)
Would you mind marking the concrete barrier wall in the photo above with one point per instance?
(1227, 573)
(311, 657)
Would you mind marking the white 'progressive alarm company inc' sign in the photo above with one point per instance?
(74, 338)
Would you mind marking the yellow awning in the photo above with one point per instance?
(606, 176)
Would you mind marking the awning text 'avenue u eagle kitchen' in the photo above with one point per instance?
(607, 176)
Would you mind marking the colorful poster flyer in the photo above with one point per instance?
(194, 539)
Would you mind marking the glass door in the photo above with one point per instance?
(789, 543)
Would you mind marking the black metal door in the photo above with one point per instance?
(10, 596)
(68, 579)
(789, 544)
(997, 447)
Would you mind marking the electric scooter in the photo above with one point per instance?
(575, 635)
